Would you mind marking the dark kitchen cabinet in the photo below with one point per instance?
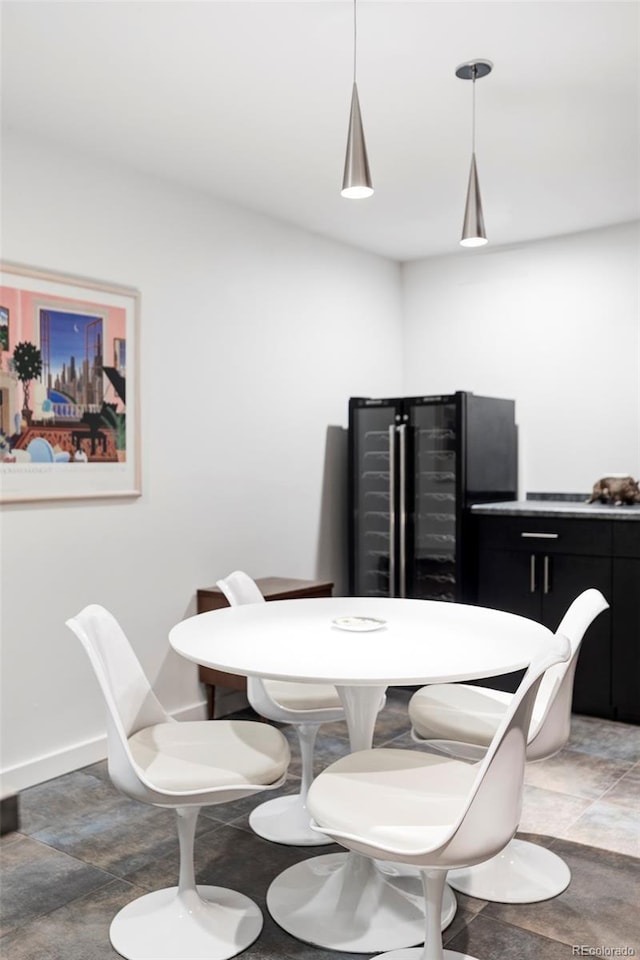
(625, 680)
(535, 566)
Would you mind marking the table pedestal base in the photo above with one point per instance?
(343, 901)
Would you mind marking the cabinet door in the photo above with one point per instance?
(568, 575)
(507, 580)
(626, 638)
(542, 586)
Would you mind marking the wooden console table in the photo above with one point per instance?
(271, 588)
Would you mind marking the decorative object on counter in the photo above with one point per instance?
(618, 489)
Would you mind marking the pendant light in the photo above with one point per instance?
(356, 181)
(473, 232)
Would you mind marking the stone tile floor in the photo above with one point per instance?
(83, 851)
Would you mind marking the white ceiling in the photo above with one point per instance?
(249, 101)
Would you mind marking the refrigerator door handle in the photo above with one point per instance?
(392, 510)
(402, 430)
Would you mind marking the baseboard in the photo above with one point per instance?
(55, 764)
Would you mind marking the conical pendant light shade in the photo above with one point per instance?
(356, 182)
(473, 233)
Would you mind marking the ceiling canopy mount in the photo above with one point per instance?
(474, 69)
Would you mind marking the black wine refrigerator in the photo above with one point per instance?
(416, 464)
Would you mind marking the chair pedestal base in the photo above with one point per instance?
(286, 820)
(212, 924)
(417, 953)
(343, 901)
(523, 872)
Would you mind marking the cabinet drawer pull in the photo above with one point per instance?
(532, 573)
(540, 536)
(545, 575)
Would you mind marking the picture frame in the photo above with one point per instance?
(69, 387)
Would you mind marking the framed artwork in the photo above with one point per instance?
(69, 395)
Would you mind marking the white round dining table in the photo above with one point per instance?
(344, 901)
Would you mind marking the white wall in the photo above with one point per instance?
(253, 336)
(554, 325)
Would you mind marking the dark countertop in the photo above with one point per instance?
(558, 508)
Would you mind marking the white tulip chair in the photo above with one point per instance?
(305, 706)
(183, 766)
(432, 812)
(460, 720)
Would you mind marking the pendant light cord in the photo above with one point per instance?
(355, 40)
(473, 110)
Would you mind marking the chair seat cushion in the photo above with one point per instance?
(303, 696)
(458, 711)
(204, 754)
(402, 799)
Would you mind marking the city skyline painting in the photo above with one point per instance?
(66, 338)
